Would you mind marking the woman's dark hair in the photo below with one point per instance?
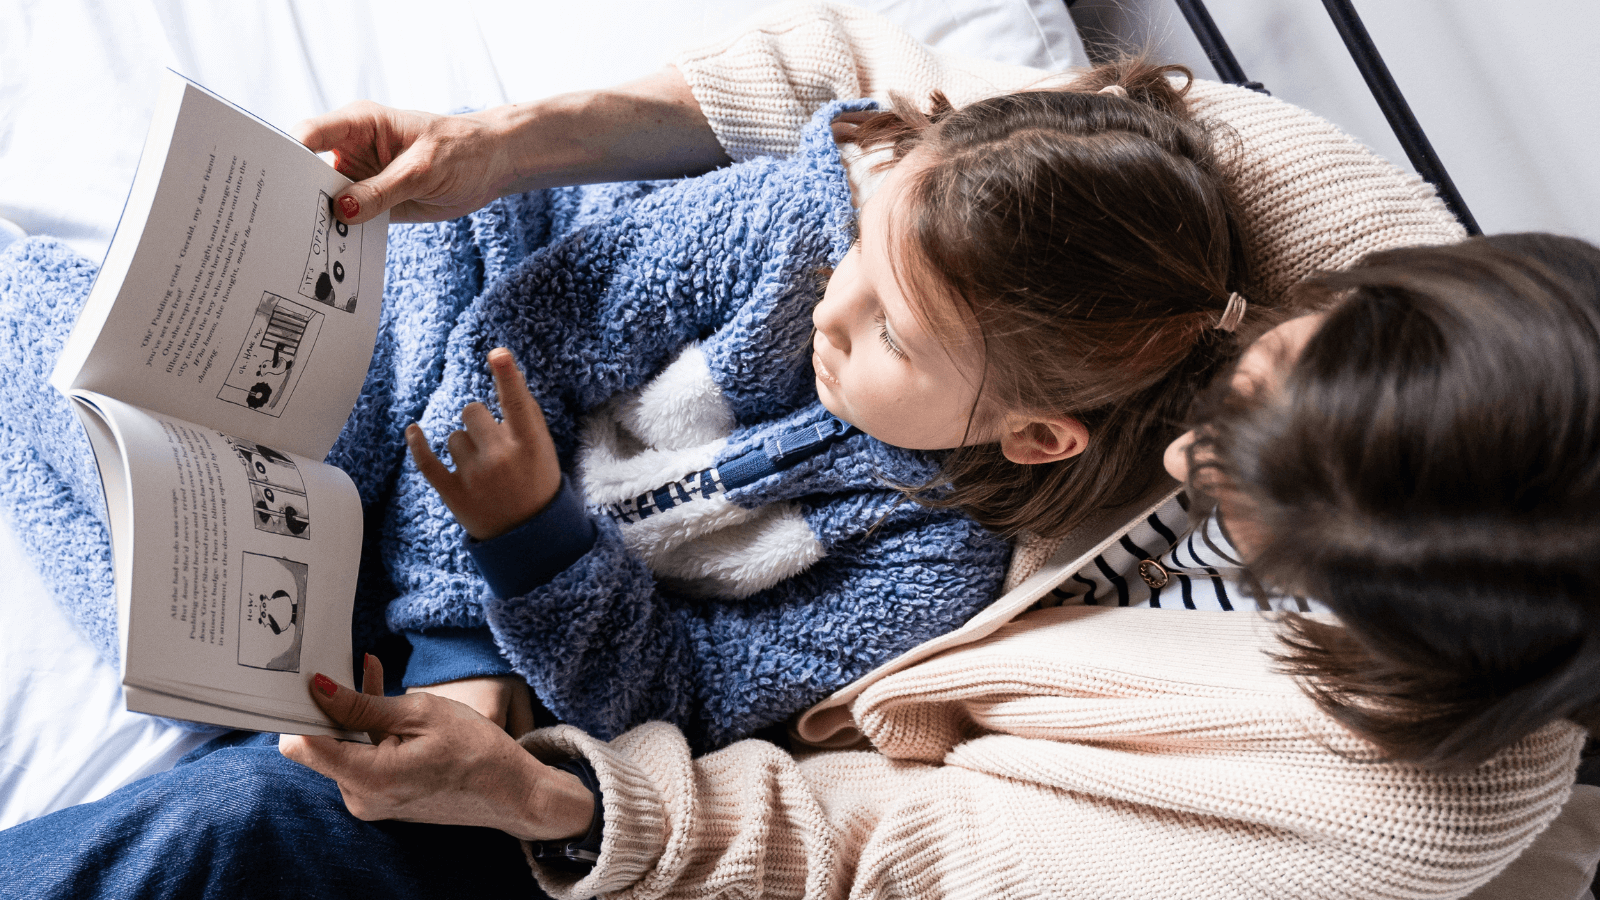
(1094, 242)
(1430, 469)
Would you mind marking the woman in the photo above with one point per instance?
(937, 824)
(1407, 487)
(1081, 751)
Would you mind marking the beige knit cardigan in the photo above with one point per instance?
(1076, 751)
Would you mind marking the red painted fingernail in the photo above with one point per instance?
(349, 206)
(366, 660)
(326, 685)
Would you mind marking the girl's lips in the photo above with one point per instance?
(822, 370)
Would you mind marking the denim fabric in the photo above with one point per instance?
(236, 819)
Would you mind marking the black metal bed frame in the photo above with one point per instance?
(1382, 85)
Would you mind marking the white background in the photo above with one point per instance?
(1506, 91)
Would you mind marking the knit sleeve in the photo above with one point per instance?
(752, 820)
(607, 646)
(1082, 754)
(758, 87)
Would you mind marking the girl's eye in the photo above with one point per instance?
(888, 339)
(854, 229)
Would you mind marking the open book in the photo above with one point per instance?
(220, 353)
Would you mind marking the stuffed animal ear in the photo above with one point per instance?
(1030, 442)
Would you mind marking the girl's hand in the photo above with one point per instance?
(502, 699)
(506, 471)
(435, 760)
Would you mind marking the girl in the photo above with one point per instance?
(1035, 288)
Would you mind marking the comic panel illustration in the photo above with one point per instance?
(333, 266)
(272, 612)
(277, 492)
(271, 359)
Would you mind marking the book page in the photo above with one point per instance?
(176, 707)
(231, 296)
(236, 564)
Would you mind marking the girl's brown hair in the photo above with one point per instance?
(1094, 242)
(1430, 470)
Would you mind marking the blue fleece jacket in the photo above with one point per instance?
(714, 279)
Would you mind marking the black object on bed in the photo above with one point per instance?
(1395, 108)
(1367, 59)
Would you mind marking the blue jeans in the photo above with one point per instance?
(236, 819)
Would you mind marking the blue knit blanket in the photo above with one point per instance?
(595, 289)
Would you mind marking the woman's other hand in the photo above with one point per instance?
(436, 760)
(506, 471)
(426, 167)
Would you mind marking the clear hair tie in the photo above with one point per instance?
(1233, 314)
(1115, 90)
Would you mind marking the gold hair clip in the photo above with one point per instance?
(1115, 90)
(1234, 313)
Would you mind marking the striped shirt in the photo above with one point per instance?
(1163, 563)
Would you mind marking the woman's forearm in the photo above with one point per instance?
(426, 167)
(644, 129)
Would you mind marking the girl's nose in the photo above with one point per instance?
(829, 318)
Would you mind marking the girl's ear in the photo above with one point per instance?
(1029, 442)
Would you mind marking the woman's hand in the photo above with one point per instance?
(506, 471)
(424, 167)
(435, 760)
(502, 699)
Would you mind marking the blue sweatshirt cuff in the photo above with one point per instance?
(446, 654)
(513, 563)
(539, 549)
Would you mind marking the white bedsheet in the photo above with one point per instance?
(76, 82)
(65, 737)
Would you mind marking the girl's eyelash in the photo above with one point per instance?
(888, 340)
(854, 229)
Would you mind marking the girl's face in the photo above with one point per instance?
(877, 366)
(1261, 369)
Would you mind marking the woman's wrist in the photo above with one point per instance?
(558, 805)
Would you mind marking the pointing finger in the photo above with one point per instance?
(322, 133)
(517, 406)
(325, 755)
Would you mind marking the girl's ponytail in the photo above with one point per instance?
(1140, 82)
